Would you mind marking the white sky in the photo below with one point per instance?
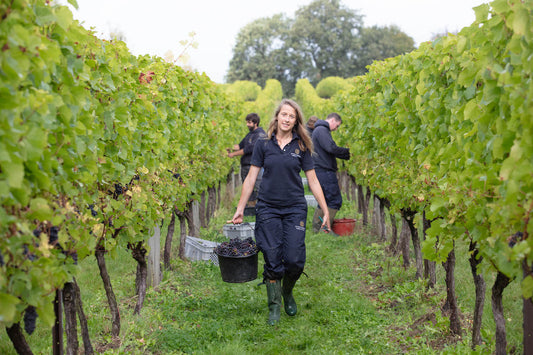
(157, 26)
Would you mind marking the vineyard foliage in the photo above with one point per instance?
(310, 102)
(266, 102)
(97, 146)
(448, 129)
(243, 89)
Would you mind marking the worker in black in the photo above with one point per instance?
(325, 158)
(281, 210)
(245, 149)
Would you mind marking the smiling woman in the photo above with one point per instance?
(281, 209)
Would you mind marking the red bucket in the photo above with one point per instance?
(343, 226)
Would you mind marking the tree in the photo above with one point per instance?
(378, 43)
(325, 36)
(257, 50)
(324, 39)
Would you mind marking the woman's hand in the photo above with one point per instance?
(237, 217)
(326, 225)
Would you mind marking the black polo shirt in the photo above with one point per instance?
(248, 142)
(281, 184)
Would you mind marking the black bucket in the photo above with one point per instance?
(238, 269)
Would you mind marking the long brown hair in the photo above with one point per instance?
(299, 127)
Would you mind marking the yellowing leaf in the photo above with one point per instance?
(44, 246)
(98, 229)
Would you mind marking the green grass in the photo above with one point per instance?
(354, 300)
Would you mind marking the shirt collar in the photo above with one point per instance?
(294, 136)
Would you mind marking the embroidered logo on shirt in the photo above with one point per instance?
(296, 153)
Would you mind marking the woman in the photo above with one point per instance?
(281, 209)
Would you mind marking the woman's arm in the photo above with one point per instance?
(247, 188)
(314, 185)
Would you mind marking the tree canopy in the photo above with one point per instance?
(324, 39)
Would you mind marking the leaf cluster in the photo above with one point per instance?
(447, 128)
(96, 144)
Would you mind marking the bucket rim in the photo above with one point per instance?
(344, 220)
(235, 256)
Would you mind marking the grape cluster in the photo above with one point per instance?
(93, 212)
(237, 247)
(176, 176)
(119, 190)
(515, 238)
(30, 316)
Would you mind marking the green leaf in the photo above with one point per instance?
(46, 313)
(64, 17)
(527, 287)
(519, 21)
(8, 307)
(482, 12)
(45, 16)
(73, 3)
(36, 140)
(7, 100)
(40, 209)
(14, 172)
(21, 195)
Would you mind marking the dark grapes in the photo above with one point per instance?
(27, 253)
(176, 176)
(515, 238)
(93, 212)
(237, 247)
(52, 238)
(119, 190)
(30, 316)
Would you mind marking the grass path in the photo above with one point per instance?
(354, 300)
(226, 318)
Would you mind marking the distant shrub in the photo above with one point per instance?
(244, 90)
(330, 86)
(266, 102)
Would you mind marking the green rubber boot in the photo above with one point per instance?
(274, 301)
(286, 291)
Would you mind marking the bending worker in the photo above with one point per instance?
(325, 159)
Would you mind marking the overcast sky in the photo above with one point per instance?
(157, 26)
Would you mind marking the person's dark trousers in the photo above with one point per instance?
(332, 193)
(280, 236)
(330, 186)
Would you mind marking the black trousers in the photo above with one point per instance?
(280, 236)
